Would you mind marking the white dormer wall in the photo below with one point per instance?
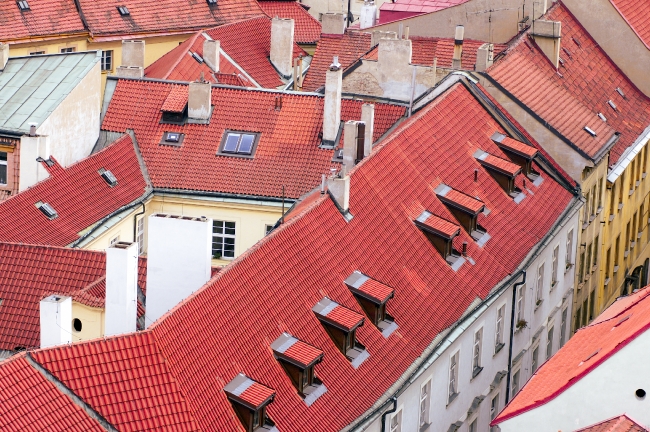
(461, 340)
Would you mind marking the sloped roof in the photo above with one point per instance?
(203, 352)
(617, 424)
(287, 154)
(307, 28)
(571, 98)
(73, 193)
(585, 351)
(392, 10)
(44, 18)
(637, 15)
(32, 87)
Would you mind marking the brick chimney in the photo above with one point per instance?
(458, 47)
(282, 45)
(132, 59)
(211, 50)
(368, 117)
(199, 102)
(4, 55)
(484, 57)
(547, 36)
(121, 310)
(332, 103)
(56, 320)
(333, 23)
(368, 16)
(178, 260)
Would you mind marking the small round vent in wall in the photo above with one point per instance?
(76, 324)
(640, 393)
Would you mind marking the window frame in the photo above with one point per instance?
(521, 299)
(539, 288)
(569, 250)
(477, 351)
(140, 235)
(554, 266)
(165, 141)
(549, 341)
(5, 163)
(223, 235)
(514, 385)
(499, 329)
(452, 387)
(224, 138)
(107, 60)
(67, 50)
(563, 322)
(424, 418)
(397, 427)
(534, 357)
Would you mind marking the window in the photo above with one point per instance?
(114, 240)
(425, 404)
(632, 167)
(473, 426)
(107, 60)
(238, 143)
(592, 305)
(554, 277)
(123, 10)
(108, 177)
(540, 284)
(585, 311)
(621, 190)
(612, 204)
(563, 327)
(577, 320)
(23, 5)
(453, 376)
(140, 235)
(499, 330)
(535, 358)
(3, 168)
(494, 407)
(476, 352)
(223, 239)
(593, 201)
(68, 50)
(617, 252)
(600, 194)
(515, 383)
(212, 2)
(627, 237)
(608, 258)
(47, 210)
(37, 53)
(268, 228)
(549, 343)
(588, 261)
(569, 249)
(396, 422)
(172, 138)
(581, 267)
(596, 246)
(520, 304)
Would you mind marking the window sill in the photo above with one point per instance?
(538, 303)
(638, 182)
(607, 281)
(620, 206)
(626, 253)
(553, 285)
(639, 234)
(591, 218)
(630, 192)
(476, 371)
(581, 285)
(452, 397)
(587, 276)
(599, 210)
(425, 427)
(498, 348)
(611, 217)
(567, 267)
(594, 267)
(643, 175)
(585, 225)
(615, 268)
(632, 244)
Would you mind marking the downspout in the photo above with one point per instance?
(512, 333)
(135, 221)
(390, 411)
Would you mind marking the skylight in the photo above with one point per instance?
(123, 10)
(47, 210)
(612, 104)
(108, 177)
(196, 57)
(212, 2)
(239, 143)
(23, 5)
(172, 138)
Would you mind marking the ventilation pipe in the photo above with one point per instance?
(4, 55)
(199, 101)
(132, 59)
(56, 320)
(458, 47)
(282, 45)
(368, 117)
(332, 103)
(211, 50)
(121, 310)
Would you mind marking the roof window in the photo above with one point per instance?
(298, 359)
(466, 210)
(341, 324)
(503, 171)
(108, 177)
(602, 117)
(373, 297)
(567, 52)
(123, 10)
(212, 2)
(238, 143)
(23, 5)
(47, 210)
(172, 139)
(249, 400)
(576, 41)
(519, 153)
(441, 233)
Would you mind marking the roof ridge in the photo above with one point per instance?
(44, 246)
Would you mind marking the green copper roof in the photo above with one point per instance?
(32, 87)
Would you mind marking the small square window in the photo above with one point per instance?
(68, 50)
(108, 177)
(37, 53)
(107, 60)
(3, 168)
(239, 143)
(23, 5)
(172, 139)
(47, 210)
(123, 10)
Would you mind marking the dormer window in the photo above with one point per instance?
(108, 177)
(298, 360)
(503, 171)
(249, 399)
(123, 10)
(174, 108)
(241, 144)
(47, 210)
(519, 153)
(212, 2)
(172, 138)
(465, 209)
(23, 5)
(373, 296)
(341, 324)
(441, 233)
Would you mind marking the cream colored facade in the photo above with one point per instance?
(92, 322)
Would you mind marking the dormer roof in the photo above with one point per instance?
(296, 350)
(458, 199)
(437, 225)
(250, 392)
(339, 316)
(512, 145)
(369, 288)
(498, 164)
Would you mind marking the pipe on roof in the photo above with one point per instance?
(512, 333)
(392, 410)
(135, 220)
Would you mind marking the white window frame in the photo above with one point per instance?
(549, 341)
(534, 357)
(395, 422)
(539, 289)
(494, 407)
(114, 240)
(563, 319)
(106, 62)
(452, 388)
(554, 267)
(477, 350)
(5, 164)
(224, 236)
(473, 425)
(140, 235)
(569, 249)
(500, 327)
(425, 400)
(514, 385)
(521, 303)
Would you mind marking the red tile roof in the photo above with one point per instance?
(44, 17)
(441, 225)
(501, 164)
(345, 317)
(376, 289)
(287, 154)
(303, 353)
(348, 47)
(464, 200)
(31, 403)
(162, 16)
(203, 351)
(307, 28)
(576, 359)
(617, 424)
(571, 99)
(176, 101)
(518, 147)
(390, 11)
(636, 14)
(73, 192)
(256, 394)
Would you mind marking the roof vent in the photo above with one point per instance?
(503, 171)
(298, 360)
(612, 104)
(108, 177)
(373, 297)
(249, 400)
(47, 210)
(620, 91)
(123, 10)
(341, 324)
(466, 210)
(519, 153)
(441, 233)
(602, 117)
(590, 131)
(23, 5)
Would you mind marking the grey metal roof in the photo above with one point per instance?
(32, 87)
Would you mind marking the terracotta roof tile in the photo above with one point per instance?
(617, 424)
(176, 99)
(257, 394)
(515, 146)
(307, 28)
(303, 353)
(345, 317)
(456, 197)
(439, 225)
(44, 17)
(391, 11)
(637, 14)
(376, 289)
(499, 164)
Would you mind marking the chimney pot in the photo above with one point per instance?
(32, 130)
(199, 101)
(458, 47)
(475, 174)
(4, 55)
(282, 31)
(211, 50)
(121, 311)
(464, 249)
(333, 23)
(484, 57)
(339, 189)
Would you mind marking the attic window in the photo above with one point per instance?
(172, 138)
(566, 51)
(249, 399)
(47, 210)
(503, 171)
(519, 153)
(23, 5)
(602, 117)
(576, 41)
(298, 360)
(373, 297)
(238, 143)
(466, 210)
(108, 177)
(123, 10)
(590, 131)
(440, 232)
(341, 324)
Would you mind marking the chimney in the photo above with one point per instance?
(378, 35)
(368, 117)
(4, 55)
(484, 57)
(394, 57)
(199, 101)
(132, 59)
(368, 17)
(31, 148)
(332, 103)
(211, 50)
(547, 35)
(353, 144)
(339, 189)
(333, 23)
(282, 45)
(458, 47)
(121, 311)
(56, 320)
(178, 261)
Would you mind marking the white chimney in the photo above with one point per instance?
(332, 103)
(56, 320)
(368, 117)
(32, 171)
(178, 261)
(484, 57)
(339, 189)
(121, 311)
(211, 50)
(199, 101)
(368, 17)
(282, 45)
(132, 59)
(458, 47)
(4, 55)
(333, 23)
(350, 135)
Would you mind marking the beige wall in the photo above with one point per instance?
(92, 322)
(55, 46)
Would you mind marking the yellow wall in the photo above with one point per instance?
(92, 322)
(50, 47)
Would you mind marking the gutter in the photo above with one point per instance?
(512, 333)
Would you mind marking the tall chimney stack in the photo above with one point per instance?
(4, 55)
(368, 117)
(199, 101)
(484, 57)
(458, 47)
(333, 23)
(332, 103)
(211, 50)
(178, 261)
(282, 45)
(339, 189)
(350, 140)
(121, 311)
(368, 16)
(132, 59)
(56, 320)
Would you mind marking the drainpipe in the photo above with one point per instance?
(512, 333)
(135, 222)
(390, 411)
